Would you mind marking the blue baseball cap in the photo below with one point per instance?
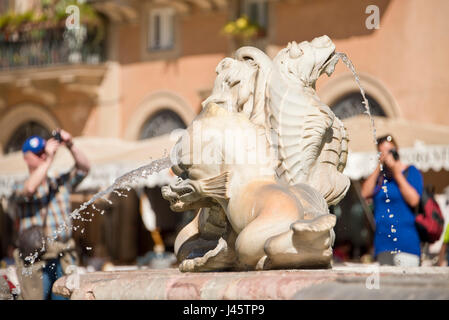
(35, 144)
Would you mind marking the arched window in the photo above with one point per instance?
(162, 122)
(22, 133)
(351, 105)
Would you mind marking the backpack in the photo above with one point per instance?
(429, 219)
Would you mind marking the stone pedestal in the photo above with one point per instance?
(342, 282)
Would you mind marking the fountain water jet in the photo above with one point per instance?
(344, 58)
(123, 182)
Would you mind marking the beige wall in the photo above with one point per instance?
(408, 54)
(201, 33)
(183, 76)
(51, 103)
(129, 43)
(406, 59)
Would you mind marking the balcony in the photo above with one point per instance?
(51, 33)
(43, 64)
(54, 46)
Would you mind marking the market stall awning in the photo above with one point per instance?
(422, 144)
(110, 158)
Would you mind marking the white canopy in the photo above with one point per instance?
(424, 145)
(424, 157)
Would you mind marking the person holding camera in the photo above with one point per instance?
(46, 249)
(395, 189)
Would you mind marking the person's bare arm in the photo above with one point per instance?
(411, 196)
(370, 183)
(36, 178)
(81, 161)
(39, 175)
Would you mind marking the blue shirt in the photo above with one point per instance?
(395, 220)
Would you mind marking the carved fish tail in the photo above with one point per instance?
(330, 165)
(299, 127)
(344, 146)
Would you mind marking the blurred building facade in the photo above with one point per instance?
(155, 60)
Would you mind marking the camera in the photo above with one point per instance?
(57, 135)
(395, 154)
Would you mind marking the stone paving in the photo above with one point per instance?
(352, 282)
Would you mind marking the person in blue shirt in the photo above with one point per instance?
(395, 189)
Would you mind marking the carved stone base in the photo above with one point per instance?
(341, 282)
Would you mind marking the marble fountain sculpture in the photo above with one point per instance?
(260, 164)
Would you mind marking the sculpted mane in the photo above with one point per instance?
(309, 141)
(241, 83)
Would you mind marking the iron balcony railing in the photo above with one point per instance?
(48, 47)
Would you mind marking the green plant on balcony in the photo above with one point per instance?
(49, 15)
(40, 36)
(243, 29)
(12, 21)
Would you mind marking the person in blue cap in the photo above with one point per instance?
(43, 200)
